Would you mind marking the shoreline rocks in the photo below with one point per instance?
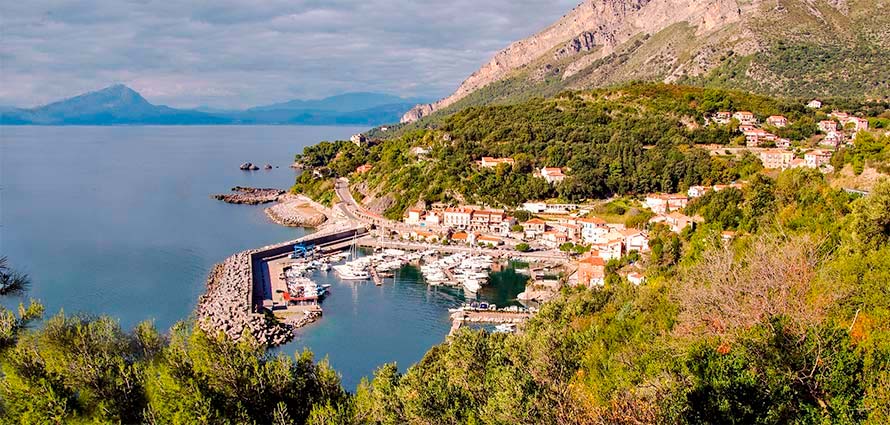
(250, 196)
(295, 211)
(224, 306)
(248, 166)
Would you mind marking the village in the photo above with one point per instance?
(574, 235)
(777, 153)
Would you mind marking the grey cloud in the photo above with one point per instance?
(235, 53)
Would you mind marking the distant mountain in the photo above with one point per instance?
(780, 47)
(121, 105)
(346, 102)
(115, 105)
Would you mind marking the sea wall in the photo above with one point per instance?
(236, 288)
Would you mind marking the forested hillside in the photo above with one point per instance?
(789, 322)
(633, 140)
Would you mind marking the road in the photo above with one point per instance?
(341, 187)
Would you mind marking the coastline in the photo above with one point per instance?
(298, 211)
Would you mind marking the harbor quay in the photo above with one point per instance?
(239, 290)
(265, 292)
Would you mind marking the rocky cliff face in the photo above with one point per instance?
(662, 39)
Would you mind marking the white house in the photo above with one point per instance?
(552, 175)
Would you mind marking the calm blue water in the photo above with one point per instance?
(119, 221)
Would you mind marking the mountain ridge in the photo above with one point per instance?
(119, 104)
(725, 43)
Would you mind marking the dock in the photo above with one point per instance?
(376, 276)
(461, 318)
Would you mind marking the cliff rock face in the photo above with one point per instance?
(606, 23)
(662, 39)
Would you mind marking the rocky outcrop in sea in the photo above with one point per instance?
(250, 196)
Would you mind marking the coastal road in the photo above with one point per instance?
(341, 187)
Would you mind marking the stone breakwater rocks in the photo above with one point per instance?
(225, 307)
(250, 196)
(294, 211)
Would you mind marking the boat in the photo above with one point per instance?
(506, 328)
(351, 272)
(471, 285)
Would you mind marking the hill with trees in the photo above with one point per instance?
(788, 322)
(630, 140)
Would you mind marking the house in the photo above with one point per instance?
(552, 175)
(364, 168)
(592, 271)
(486, 218)
(697, 191)
(464, 238)
(675, 221)
(359, 139)
(776, 158)
(727, 236)
(834, 139)
(783, 143)
(459, 218)
(553, 238)
(661, 203)
(797, 163)
(414, 216)
(635, 240)
(572, 231)
(542, 207)
(817, 158)
(489, 162)
(433, 218)
(827, 126)
(592, 228)
(610, 245)
(744, 128)
(636, 278)
(534, 227)
(420, 235)
(753, 138)
(815, 104)
(722, 117)
(490, 240)
(777, 121)
(745, 118)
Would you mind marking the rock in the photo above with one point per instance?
(292, 211)
(250, 196)
(254, 167)
(268, 166)
(246, 166)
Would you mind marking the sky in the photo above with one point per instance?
(239, 53)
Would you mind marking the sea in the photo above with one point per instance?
(119, 221)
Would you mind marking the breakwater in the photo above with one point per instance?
(238, 287)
